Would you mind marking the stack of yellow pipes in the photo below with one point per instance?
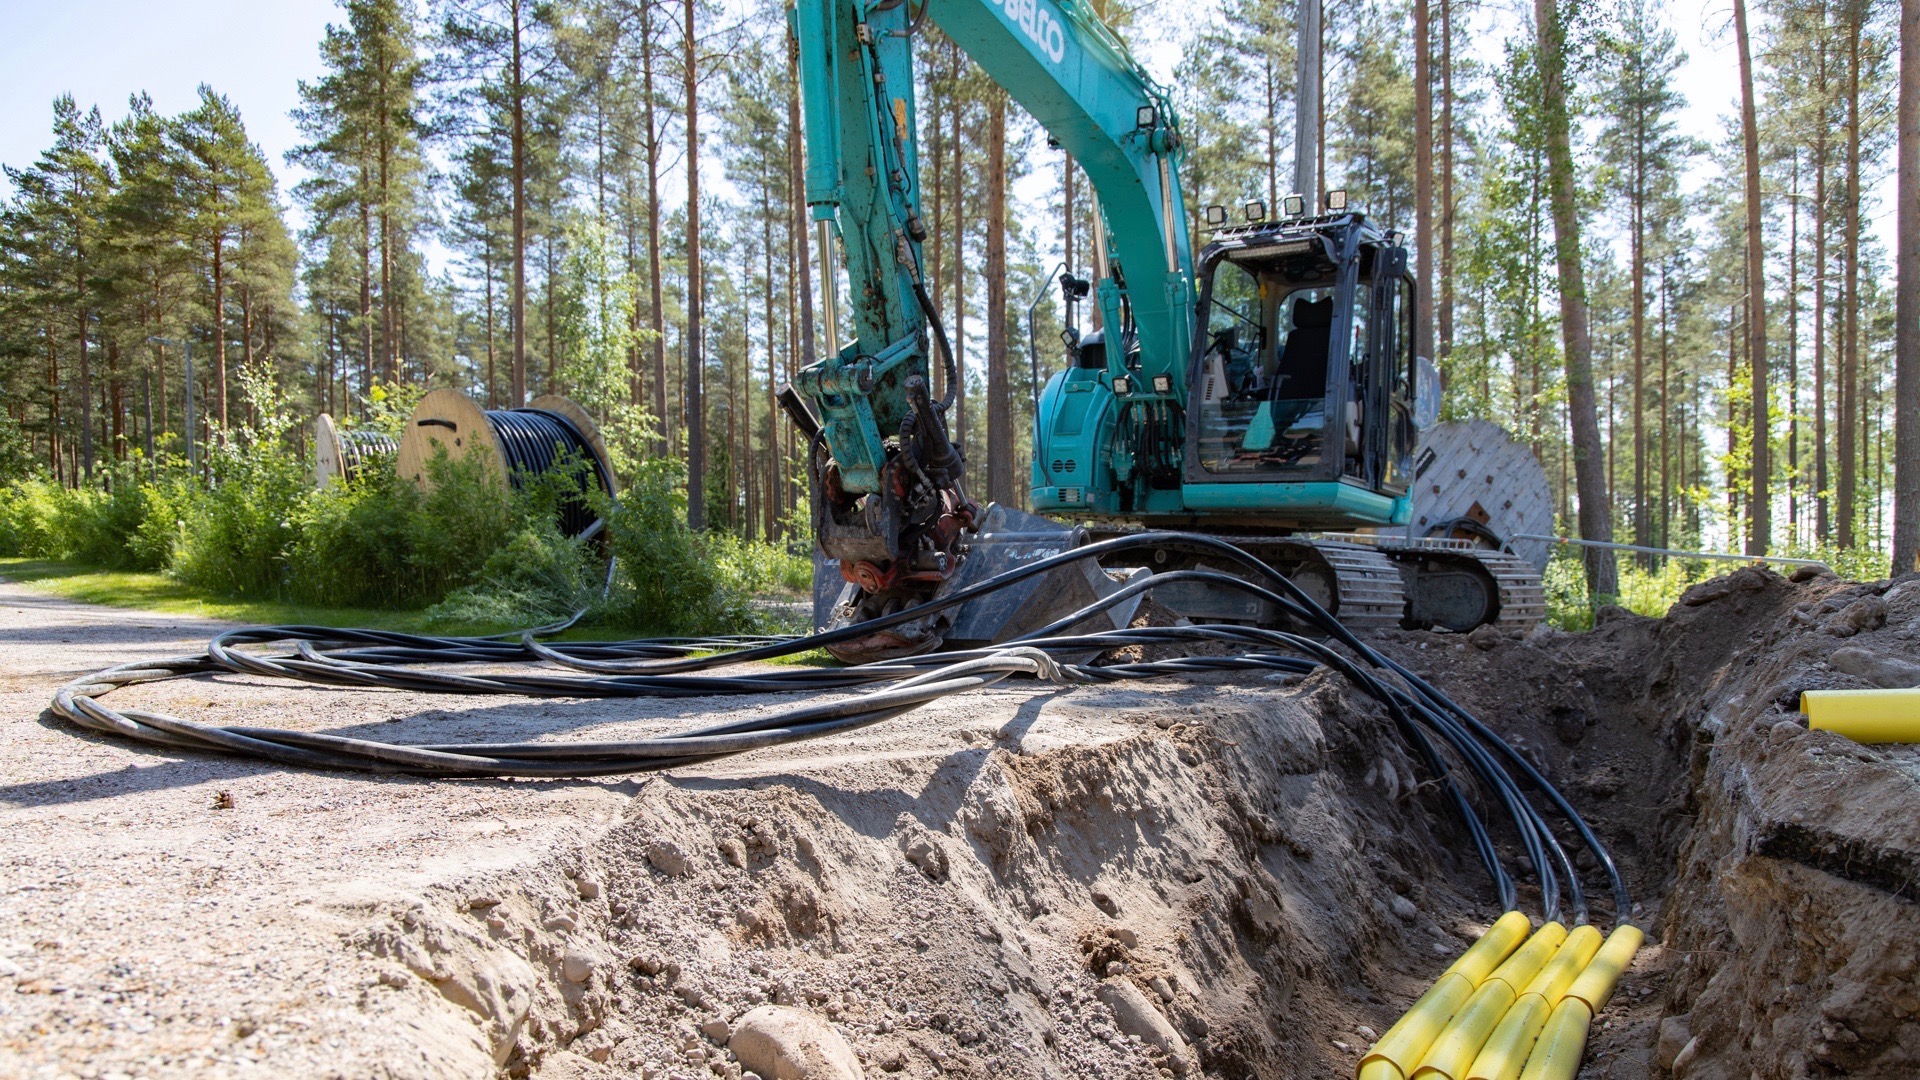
(1508, 1010)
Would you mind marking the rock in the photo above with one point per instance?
(1365, 1032)
(1866, 613)
(1673, 1038)
(577, 966)
(1136, 1016)
(1685, 1058)
(589, 889)
(647, 963)
(1484, 637)
(1887, 672)
(1570, 725)
(666, 857)
(1404, 909)
(733, 851)
(923, 851)
(1803, 574)
(718, 1030)
(1161, 986)
(1125, 935)
(782, 1043)
(562, 923)
(479, 903)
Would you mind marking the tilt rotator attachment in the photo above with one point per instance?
(1507, 1010)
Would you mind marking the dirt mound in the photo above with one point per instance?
(1203, 894)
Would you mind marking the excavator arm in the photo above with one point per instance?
(890, 501)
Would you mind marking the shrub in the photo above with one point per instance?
(30, 512)
(238, 531)
(668, 579)
(538, 576)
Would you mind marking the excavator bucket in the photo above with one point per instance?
(1006, 540)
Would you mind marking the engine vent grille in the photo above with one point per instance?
(1064, 465)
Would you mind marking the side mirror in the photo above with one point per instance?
(1426, 394)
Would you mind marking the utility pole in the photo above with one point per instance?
(1306, 96)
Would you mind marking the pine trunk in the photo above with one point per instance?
(695, 406)
(1423, 174)
(1760, 516)
(656, 300)
(1443, 311)
(999, 414)
(1850, 312)
(1589, 459)
(516, 89)
(1906, 394)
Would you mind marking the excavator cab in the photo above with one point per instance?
(1304, 370)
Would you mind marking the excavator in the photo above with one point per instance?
(1264, 390)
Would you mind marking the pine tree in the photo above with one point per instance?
(1596, 513)
(59, 203)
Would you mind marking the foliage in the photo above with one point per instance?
(668, 580)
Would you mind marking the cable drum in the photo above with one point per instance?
(341, 455)
(519, 444)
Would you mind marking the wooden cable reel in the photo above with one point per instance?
(340, 455)
(516, 444)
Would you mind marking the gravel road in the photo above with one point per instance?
(191, 915)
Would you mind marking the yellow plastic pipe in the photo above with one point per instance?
(1595, 984)
(1526, 961)
(1494, 946)
(1865, 716)
(1459, 1043)
(1557, 1055)
(1506, 1050)
(1406, 1042)
(1567, 964)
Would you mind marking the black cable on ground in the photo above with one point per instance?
(1474, 758)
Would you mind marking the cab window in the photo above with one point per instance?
(1264, 374)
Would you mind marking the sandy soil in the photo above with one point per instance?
(1223, 876)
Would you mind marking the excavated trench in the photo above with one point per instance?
(1251, 881)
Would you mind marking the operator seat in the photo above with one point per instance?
(1301, 374)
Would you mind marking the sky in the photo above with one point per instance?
(257, 51)
(101, 51)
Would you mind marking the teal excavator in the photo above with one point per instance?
(1265, 391)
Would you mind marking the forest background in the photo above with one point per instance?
(493, 195)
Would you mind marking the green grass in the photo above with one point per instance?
(157, 592)
(148, 591)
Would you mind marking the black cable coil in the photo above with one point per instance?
(534, 441)
(357, 448)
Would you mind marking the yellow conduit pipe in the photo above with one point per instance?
(1457, 1045)
(1406, 1042)
(1865, 716)
(1564, 1040)
(1506, 1050)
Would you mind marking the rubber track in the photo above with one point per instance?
(1522, 596)
(1370, 593)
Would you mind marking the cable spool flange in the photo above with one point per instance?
(340, 455)
(517, 443)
